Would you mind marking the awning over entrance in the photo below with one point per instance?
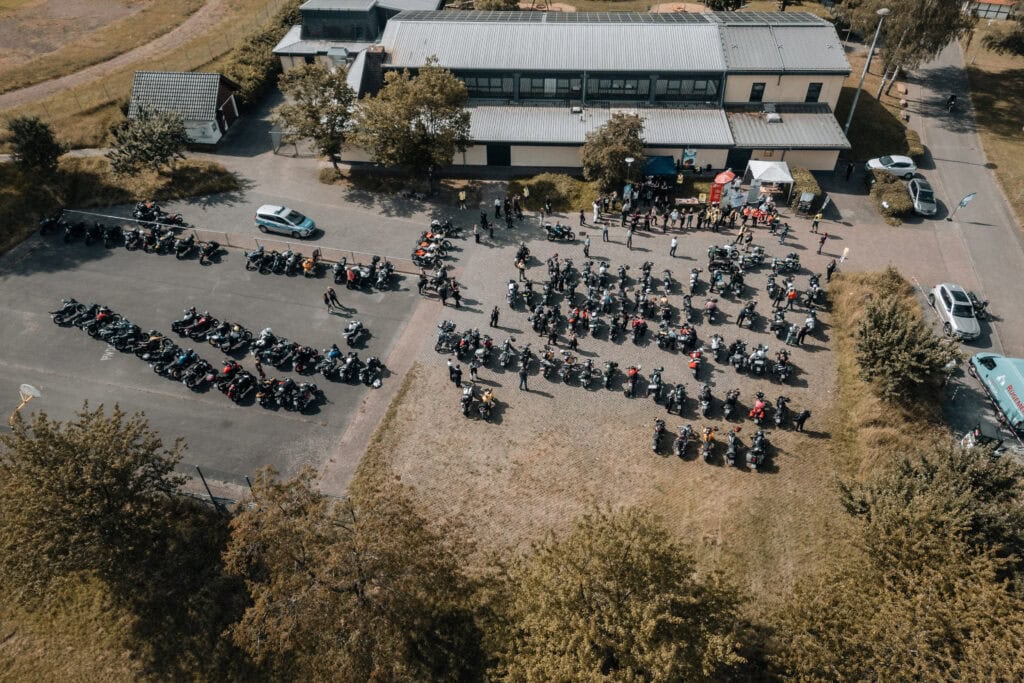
(660, 165)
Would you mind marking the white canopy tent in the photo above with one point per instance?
(760, 173)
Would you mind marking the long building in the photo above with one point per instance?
(717, 88)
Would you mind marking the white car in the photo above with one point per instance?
(954, 307)
(922, 196)
(901, 166)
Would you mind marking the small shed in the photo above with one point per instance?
(769, 174)
(206, 101)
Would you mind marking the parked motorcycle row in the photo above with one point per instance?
(377, 275)
(158, 238)
(434, 244)
(753, 456)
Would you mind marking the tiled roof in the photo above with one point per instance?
(800, 128)
(697, 127)
(192, 95)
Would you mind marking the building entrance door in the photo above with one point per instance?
(499, 155)
(737, 160)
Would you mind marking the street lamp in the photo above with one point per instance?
(27, 393)
(629, 167)
(882, 14)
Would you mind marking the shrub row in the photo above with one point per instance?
(252, 64)
(891, 197)
(915, 150)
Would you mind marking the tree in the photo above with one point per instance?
(899, 354)
(923, 594)
(607, 148)
(1006, 40)
(415, 121)
(914, 31)
(616, 599)
(320, 107)
(84, 496)
(150, 139)
(361, 589)
(33, 145)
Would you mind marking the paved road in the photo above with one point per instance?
(228, 440)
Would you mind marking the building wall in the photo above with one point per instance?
(475, 155)
(715, 157)
(783, 88)
(528, 155)
(812, 159)
(289, 62)
(202, 132)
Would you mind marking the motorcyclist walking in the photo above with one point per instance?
(494, 316)
(801, 418)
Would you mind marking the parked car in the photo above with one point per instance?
(923, 197)
(954, 309)
(901, 166)
(281, 219)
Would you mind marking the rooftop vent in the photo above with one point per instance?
(577, 110)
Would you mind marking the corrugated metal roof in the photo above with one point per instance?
(404, 5)
(783, 48)
(813, 129)
(810, 48)
(192, 95)
(553, 46)
(558, 125)
(719, 18)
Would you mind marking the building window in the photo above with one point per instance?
(309, 59)
(559, 88)
(619, 88)
(485, 86)
(757, 92)
(685, 89)
(813, 92)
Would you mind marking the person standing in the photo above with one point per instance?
(815, 222)
(327, 303)
(742, 233)
(521, 267)
(583, 218)
(672, 247)
(474, 366)
(522, 379)
(849, 171)
(483, 218)
(790, 298)
(494, 316)
(821, 241)
(259, 366)
(451, 371)
(804, 329)
(629, 238)
(462, 200)
(604, 232)
(457, 376)
(573, 341)
(456, 296)
(334, 298)
(586, 245)
(497, 207)
(802, 416)
(442, 292)
(829, 269)
(597, 211)
(476, 232)
(490, 230)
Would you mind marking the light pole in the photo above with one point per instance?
(27, 393)
(882, 14)
(629, 168)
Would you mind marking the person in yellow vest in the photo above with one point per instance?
(462, 199)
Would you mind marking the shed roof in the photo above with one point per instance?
(558, 125)
(783, 48)
(294, 44)
(809, 128)
(192, 95)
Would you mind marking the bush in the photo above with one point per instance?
(252, 64)
(891, 197)
(915, 150)
(804, 181)
(565, 192)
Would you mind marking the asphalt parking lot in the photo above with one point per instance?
(227, 440)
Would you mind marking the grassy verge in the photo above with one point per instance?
(876, 128)
(371, 182)
(86, 182)
(871, 432)
(124, 35)
(997, 92)
(565, 192)
(82, 116)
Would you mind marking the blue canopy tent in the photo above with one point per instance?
(660, 165)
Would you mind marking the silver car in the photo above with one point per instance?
(954, 309)
(922, 196)
(901, 166)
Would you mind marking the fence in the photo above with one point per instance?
(233, 240)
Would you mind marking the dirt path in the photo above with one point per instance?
(209, 14)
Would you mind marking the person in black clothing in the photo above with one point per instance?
(457, 376)
(494, 316)
(801, 418)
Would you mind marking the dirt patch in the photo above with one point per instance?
(552, 6)
(679, 7)
(43, 26)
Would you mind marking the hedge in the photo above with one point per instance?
(252, 64)
(891, 190)
(915, 150)
(803, 181)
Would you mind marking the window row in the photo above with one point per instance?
(813, 92)
(620, 88)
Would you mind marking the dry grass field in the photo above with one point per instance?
(68, 35)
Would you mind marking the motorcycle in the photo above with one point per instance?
(513, 293)
(682, 440)
(467, 400)
(372, 373)
(230, 338)
(756, 453)
(507, 352)
(732, 447)
(548, 363)
(694, 279)
(632, 376)
(305, 359)
(93, 234)
(559, 232)
(758, 361)
(666, 280)
(241, 386)
(778, 325)
(696, 359)
(711, 310)
(183, 247)
(195, 376)
(447, 340)
(705, 400)
(980, 306)
(255, 259)
(209, 252)
(609, 373)
(781, 411)
(223, 378)
(757, 413)
(708, 443)
(654, 385)
(586, 374)
(73, 231)
(351, 367)
(729, 405)
(782, 370)
(747, 315)
(717, 347)
(70, 308)
(133, 239)
(659, 429)
(687, 309)
(113, 236)
(384, 275)
(676, 399)
(354, 332)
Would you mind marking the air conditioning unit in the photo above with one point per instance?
(772, 117)
(577, 110)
